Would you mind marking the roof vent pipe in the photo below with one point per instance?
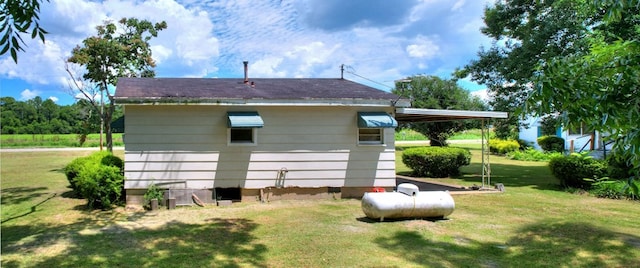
(246, 71)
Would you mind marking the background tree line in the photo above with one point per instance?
(38, 116)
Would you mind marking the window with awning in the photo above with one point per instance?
(242, 127)
(371, 127)
(376, 120)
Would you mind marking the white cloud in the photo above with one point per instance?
(423, 48)
(54, 98)
(28, 94)
(483, 94)
(266, 67)
(187, 46)
(212, 38)
(457, 5)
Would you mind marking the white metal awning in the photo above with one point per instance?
(436, 115)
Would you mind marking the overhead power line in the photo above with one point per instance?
(345, 68)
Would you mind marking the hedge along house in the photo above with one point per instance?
(255, 140)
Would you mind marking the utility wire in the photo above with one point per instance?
(370, 80)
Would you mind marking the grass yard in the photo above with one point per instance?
(412, 135)
(532, 224)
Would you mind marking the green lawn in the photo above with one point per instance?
(532, 224)
(412, 135)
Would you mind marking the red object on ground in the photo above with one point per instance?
(378, 190)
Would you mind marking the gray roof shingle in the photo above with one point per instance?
(168, 89)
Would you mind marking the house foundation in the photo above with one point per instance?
(209, 196)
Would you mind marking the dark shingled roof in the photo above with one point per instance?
(141, 89)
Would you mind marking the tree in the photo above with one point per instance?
(599, 87)
(111, 54)
(19, 17)
(524, 33)
(435, 93)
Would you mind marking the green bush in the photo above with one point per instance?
(113, 161)
(101, 186)
(98, 178)
(572, 170)
(531, 154)
(153, 192)
(613, 189)
(436, 162)
(73, 169)
(524, 145)
(619, 166)
(502, 147)
(551, 143)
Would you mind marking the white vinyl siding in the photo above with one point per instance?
(187, 146)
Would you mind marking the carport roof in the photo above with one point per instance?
(408, 115)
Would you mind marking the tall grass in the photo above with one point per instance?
(54, 140)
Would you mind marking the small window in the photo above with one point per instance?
(368, 136)
(583, 129)
(242, 136)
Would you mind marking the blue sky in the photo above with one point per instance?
(379, 40)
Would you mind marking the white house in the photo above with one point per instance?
(260, 139)
(574, 139)
(263, 139)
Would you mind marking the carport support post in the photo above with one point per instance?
(486, 167)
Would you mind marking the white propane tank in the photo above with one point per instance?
(407, 202)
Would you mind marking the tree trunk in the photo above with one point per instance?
(437, 142)
(107, 125)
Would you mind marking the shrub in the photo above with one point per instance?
(524, 145)
(437, 162)
(73, 169)
(619, 166)
(613, 189)
(101, 185)
(572, 170)
(98, 178)
(153, 192)
(531, 154)
(502, 147)
(112, 160)
(551, 143)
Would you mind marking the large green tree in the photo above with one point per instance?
(524, 33)
(18, 17)
(38, 116)
(435, 93)
(118, 50)
(599, 87)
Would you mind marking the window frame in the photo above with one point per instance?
(254, 137)
(581, 130)
(371, 142)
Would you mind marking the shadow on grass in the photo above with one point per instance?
(369, 220)
(18, 195)
(215, 243)
(537, 245)
(31, 210)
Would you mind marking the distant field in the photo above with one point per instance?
(93, 140)
(411, 135)
(53, 140)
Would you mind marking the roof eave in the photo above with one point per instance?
(261, 102)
